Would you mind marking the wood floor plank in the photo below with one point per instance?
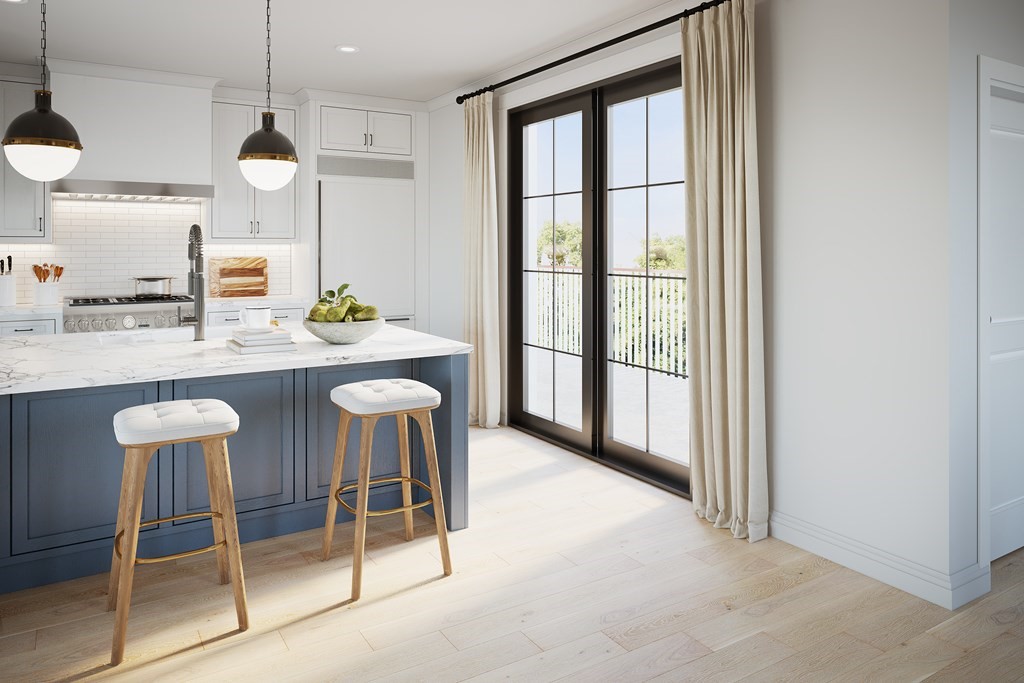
(1000, 659)
(830, 659)
(913, 660)
(984, 620)
(730, 663)
(560, 662)
(470, 662)
(644, 662)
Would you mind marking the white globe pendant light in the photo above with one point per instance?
(41, 144)
(267, 157)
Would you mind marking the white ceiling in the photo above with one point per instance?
(410, 49)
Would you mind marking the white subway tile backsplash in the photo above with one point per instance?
(103, 245)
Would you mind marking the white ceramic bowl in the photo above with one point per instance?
(343, 333)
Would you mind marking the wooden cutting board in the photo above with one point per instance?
(238, 276)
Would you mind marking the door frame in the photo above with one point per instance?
(991, 72)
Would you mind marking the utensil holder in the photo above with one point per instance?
(8, 291)
(45, 293)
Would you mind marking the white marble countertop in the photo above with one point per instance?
(26, 311)
(69, 361)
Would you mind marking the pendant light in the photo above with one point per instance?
(41, 144)
(267, 158)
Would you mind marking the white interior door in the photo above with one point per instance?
(1002, 304)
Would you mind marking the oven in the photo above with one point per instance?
(125, 313)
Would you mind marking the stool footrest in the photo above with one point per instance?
(389, 511)
(175, 556)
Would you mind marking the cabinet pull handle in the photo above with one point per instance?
(371, 139)
(250, 227)
(364, 139)
(231, 320)
(257, 227)
(281, 317)
(40, 224)
(24, 329)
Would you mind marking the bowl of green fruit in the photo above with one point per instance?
(338, 318)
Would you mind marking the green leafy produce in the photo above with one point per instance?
(335, 306)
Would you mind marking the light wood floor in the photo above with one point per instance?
(569, 571)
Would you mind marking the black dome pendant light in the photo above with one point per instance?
(41, 144)
(267, 158)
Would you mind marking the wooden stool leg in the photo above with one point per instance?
(122, 516)
(406, 466)
(218, 451)
(344, 422)
(362, 502)
(136, 484)
(427, 429)
(214, 485)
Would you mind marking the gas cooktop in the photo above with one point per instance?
(130, 300)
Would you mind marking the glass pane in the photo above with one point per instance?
(568, 249)
(667, 324)
(627, 229)
(666, 251)
(627, 143)
(538, 311)
(568, 312)
(538, 367)
(537, 158)
(627, 334)
(569, 390)
(569, 153)
(627, 405)
(665, 137)
(670, 417)
(538, 245)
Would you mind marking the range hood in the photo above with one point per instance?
(126, 191)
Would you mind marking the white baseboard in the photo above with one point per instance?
(1007, 521)
(947, 590)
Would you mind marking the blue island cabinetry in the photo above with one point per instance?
(60, 466)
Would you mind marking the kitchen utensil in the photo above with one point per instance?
(238, 276)
(58, 270)
(46, 273)
(38, 270)
(153, 286)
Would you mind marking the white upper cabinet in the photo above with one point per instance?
(358, 130)
(23, 217)
(239, 210)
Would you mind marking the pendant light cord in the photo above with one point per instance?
(42, 44)
(268, 53)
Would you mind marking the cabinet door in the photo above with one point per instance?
(233, 197)
(66, 465)
(23, 202)
(261, 454)
(275, 211)
(368, 238)
(389, 133)
(343, 129)
(322, 427)
(27, 328)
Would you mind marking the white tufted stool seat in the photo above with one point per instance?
(174, 421)
(376, 396)
(368, 402)
(143, 430)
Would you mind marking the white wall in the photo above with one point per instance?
(853, 125)
(994, 28)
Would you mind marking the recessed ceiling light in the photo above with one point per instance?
(347, 49)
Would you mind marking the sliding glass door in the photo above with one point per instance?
(597, 254)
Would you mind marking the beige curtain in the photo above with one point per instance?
(480, 216)
(725, 338)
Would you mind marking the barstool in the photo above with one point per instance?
(142, 430)
(370, 401)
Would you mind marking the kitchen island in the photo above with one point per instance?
(60, 465)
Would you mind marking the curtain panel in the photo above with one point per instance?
(725, 330)
(480, 216)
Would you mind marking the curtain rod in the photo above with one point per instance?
(590, 50)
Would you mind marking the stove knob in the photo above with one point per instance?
(173, 321)
(128, 322)
(69, 325)
(160, 321)
(97, 324)
(110, 324)
(83, 324)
